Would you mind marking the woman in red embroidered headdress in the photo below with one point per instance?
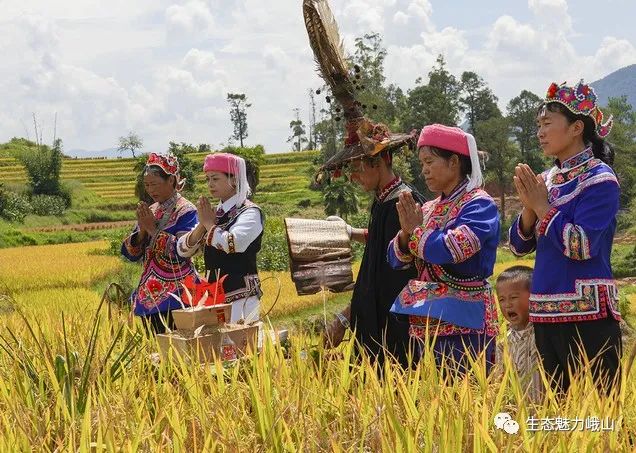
(453, 242)
(229, 235)
(154, 242)
(569, 218)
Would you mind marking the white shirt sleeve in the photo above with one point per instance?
(241, 234)
(183, 249)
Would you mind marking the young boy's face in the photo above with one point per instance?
(514, 299)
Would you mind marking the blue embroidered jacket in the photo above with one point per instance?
(455, 251)
(163, 268)
(572, 278)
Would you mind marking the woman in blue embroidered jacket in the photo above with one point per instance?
(154, 242)
(453, 242)
(569, 218)
(230, 235)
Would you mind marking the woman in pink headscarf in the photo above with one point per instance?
(229, 234)
(452, 241)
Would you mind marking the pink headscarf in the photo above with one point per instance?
(455, 140)
(233, 165)
(222, 162)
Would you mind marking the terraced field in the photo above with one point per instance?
(113, 180)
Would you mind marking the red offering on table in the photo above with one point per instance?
(204, 293)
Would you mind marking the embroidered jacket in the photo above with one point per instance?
(163, 268)
(573, 276)
(454, 251)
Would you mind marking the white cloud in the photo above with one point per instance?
(553, 14)
(192, 18)
(400, 18)
(613, 54)
(422, 10)
(163, 68)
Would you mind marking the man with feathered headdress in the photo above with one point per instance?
(367, 156)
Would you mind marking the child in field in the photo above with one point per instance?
(513, 294)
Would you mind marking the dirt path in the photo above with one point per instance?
(84, 226)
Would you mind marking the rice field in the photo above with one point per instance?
(74, 379)
(54, 266)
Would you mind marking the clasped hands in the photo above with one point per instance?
(532, 191)
(206, 213)
(146, 219)
(410, 215)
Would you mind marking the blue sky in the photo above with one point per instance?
(162, 68)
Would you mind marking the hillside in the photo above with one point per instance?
(616, 84)
(104, 196)
(284, 179)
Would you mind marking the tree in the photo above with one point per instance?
(368, 58)
(329, 131)
(623, 139)
(297, 138)
(522, 114)
(435, 102)
(311, 144)
(477, 100)
(204, 148)
(493, 137)
(131, 142)
(43, 166)
(238, 115)
(340, 197)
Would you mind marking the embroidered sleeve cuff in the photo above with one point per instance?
(186, 250)
(462, 243)
(222, 240)
(133, 250)
(417, 241)
(576, 243)
(209, 236)
(399, 254)
(520, 233)
(546, 221)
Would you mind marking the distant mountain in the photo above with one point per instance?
(618, 83)
(110, 153)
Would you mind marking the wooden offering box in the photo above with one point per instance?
(190, 319)
(226, 343)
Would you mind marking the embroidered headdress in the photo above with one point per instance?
(169, 164)
(580, 100)
(457, 141)
(364, 137)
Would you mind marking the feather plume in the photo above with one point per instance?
(329, 54)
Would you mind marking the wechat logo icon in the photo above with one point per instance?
(504, 421)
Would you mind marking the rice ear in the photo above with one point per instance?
(187, 291)
(201, 301)
(179, 299)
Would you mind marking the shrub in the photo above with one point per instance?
(43, 166)
(48, 205)
(304, 203)
(13, 207)
(274, 253)
(115, 239)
